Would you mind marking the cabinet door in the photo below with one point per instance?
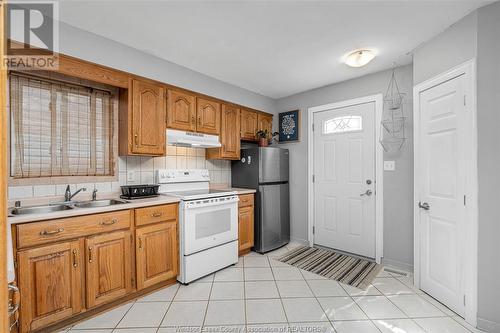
(229, 135)
(156, 254)
(108, 267)
(208, 113)
(248, 125)
(230, 132)
(148, 118)
(50, 281)
(245, 230)
(265, 123)
(181, 111)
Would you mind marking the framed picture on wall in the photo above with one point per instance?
(289, 126)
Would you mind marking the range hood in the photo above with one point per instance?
(191, 139)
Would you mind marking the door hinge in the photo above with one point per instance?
(314, 178)
(465, 99)
(464, 300)
(312, 127)
(465, 200)
(314, 229)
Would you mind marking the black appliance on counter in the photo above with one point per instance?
(131, 192)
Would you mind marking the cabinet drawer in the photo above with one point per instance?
(245, 200)
(156, 214)
(37, 233)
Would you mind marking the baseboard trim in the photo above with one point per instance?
(299, 240)
(488, 325)
(397, 264)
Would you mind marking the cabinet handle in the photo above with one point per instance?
(90, 253)
(156, 214)
(140, 242)
(193, 120)
(199, 120)
(113, 221)
(52, 232)
(75, 259)
(136, 139)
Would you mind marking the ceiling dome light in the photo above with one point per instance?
(359, 58)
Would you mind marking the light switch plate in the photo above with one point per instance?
(389, 165)
(131, 176)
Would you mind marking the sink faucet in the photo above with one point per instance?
(94, 195)
(68, 196)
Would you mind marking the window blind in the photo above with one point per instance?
(59, 129)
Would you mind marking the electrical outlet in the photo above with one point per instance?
(131, 176)
(389, 165)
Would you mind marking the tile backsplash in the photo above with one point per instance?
(142, 169)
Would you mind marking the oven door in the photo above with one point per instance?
(208, 223)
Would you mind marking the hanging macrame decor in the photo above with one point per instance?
(392, 127)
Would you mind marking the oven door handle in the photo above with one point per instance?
(194, 204)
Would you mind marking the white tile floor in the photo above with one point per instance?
(262, 295)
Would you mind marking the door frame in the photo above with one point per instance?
(379, 168)
(470, 265)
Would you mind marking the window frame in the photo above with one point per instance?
(59, 180)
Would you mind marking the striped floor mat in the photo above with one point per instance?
(353, 271)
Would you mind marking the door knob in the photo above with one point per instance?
(424, 205)
(367, 193)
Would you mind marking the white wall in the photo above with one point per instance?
(88, 46)
(488, 121)
(398, 185)
(477, 36)
(453, 47)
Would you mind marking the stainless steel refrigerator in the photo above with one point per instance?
(265, 169)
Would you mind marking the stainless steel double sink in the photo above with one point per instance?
(57, 207)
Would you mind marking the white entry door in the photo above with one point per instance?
(442, 177)
(344, 179)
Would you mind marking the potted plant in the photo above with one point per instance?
(263, 136)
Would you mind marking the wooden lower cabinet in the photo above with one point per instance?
(108, 271)
(61, 280)
(246, 223)
(156, 254)
(50, 281)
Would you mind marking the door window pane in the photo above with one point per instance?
(343, 124)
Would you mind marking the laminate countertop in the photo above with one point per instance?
(238, 190)
(130, 204)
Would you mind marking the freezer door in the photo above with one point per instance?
(245, 172)
(273, 222)
(273, 165)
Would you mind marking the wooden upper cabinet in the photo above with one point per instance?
(156, 253)
(148, 118)
(265, 123)
(50, 281)
(108, 267)
(208, 114)
(229, 135)
(181, 111)
(249, 125)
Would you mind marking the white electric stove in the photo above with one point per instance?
(208, 222)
